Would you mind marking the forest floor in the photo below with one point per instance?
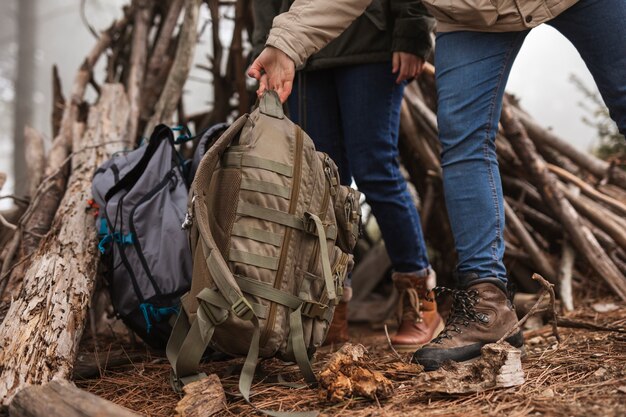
(584, 375)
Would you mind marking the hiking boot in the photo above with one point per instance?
(480, 315)
(417, 312)
(338, 331)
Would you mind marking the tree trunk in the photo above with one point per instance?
(173, 89)
(24, 88)
(41, 331)
(63, 399)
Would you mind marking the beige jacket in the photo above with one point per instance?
(311, 24)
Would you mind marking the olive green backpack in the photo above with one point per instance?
(271, 233)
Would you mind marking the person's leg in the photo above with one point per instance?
(314, 105)
(370, 114)
(471, 70)
(597, 28)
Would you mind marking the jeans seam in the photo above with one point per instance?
(492, 185)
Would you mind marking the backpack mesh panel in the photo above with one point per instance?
(225, 189)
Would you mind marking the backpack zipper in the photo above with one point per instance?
(293, 205)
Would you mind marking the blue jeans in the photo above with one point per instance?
(353, 114)
(472, 70)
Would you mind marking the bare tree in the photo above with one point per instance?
(24, 85)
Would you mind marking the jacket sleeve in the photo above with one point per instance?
(311, 24)
(412, 27)
(263, 11)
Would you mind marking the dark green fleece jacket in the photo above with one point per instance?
(387, 26)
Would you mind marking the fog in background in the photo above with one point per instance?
(540, 76)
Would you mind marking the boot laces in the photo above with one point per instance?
(462, 313)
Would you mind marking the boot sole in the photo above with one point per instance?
(412, 348)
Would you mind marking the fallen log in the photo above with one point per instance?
(40, 333)
(63, 399)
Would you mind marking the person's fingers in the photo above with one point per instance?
(420, 67)
(413, 73)
(263, 83)
(404, 70)
(285, 91)
(395, 62)
(255, 69)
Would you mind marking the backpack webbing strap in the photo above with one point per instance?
(254, 287)
(249, 258)
(296, 333)
(282, 218)
(326, 270)
(187, 344)
(264, 236)
(265, 187)
(214, 298)
(239, 159)
(311, 309)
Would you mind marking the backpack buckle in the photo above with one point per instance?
(211, 316)
(314, 310)
(243, 309)
(309, 224)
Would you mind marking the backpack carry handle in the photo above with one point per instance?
(269, 104)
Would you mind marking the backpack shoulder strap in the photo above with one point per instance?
(216, 264)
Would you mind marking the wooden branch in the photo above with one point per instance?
(546, 222)
(138, 58)
(528, 243)
(160, 60)
(35, 158)
(576, 324)
(589, 190)
(63, 399)
(598, 215)
(40, 334)
(581, 236)
(58, 101)
(568, 257)
(173, 89)
(597, 167)
(537, 308)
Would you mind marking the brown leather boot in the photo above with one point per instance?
(338, 331)
(417, 313)
(480, 315)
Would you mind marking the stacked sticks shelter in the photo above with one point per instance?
(565, 209)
